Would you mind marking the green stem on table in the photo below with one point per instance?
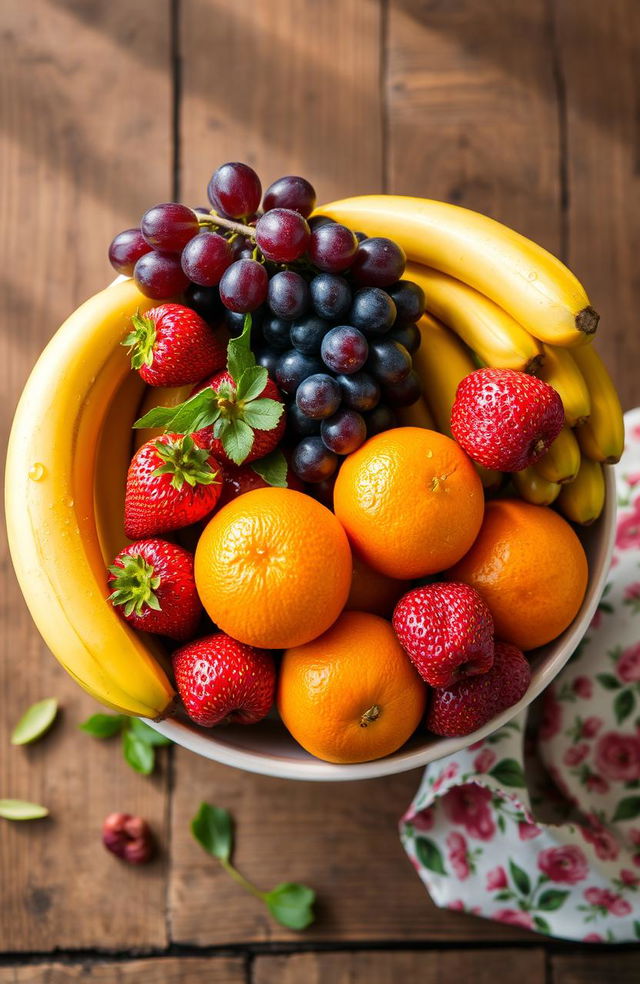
(241, 880)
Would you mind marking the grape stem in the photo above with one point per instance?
(236, 227)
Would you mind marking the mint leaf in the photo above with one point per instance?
(273, 469)
(138, 754)
(213, 830)
(35, 722)
(147, 734)
(198, 411)
(239, 354)
(237, 439)
(12, 809)
(104, 725)
(291, 905)
(251, 383)
(263, 414)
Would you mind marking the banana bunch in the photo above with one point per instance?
(495, 298)
(66, 466)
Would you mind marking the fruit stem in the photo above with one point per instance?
(237, 227)
(241, 880)
(371, 715)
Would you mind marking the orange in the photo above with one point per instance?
(530, 568)
(273, 568)
(373, 592)
(410, 501)
(352, 695)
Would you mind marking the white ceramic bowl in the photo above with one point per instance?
(267, 748)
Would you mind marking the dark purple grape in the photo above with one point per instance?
(344, 349)
(290, 192)
(169, 227)
(381, 419)
(320, 220)
(359, 391)
(312, 461)
(244, 285)
(404, 393)
(241, 247)
(269, 359)
(276, 333)
(344, 432)
(330, 295)
(159, 275)
(360, 236)
(206, 302)
(318, 395)
(293, 367)
(372, 310)
(282, 235)
(126, 249)
(235, 190)
(409, 300)
(288, 295)
(379, 262)
(299, 424)
(323, 491)
(332, 248)
(388, 361)
(205, 258)
(407, 335)
(307, 334)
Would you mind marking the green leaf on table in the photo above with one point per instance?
(212, 827)
(627, 809)
(520, 878)
(147, 734)
(251, 383)
(104, 725)
(509, 773)
(239, 354)
(552, 899)
(272, 468)
(429, 855)
(608, 681)
(13, 809)
(35, 722)
(623, 705)
(263, 413)
(541, 925)
(291, 905)
(137, 753)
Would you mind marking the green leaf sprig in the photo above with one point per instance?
(290, 904)
(139, 741)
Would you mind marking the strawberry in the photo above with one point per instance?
(246, 478)
(468, 704)
(171, 345)
(446, 630)
(220, 679)
(238, 412)
(172, 482)
(153, 588)
(505, 419)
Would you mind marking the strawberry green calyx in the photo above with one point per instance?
(185, 461)
(134, 585)
(140, 341)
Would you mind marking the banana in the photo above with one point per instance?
(417, 415)
(532, 285)
(487, 329)
(583, 500)
(533, 488)
(561, 462)
(442, 362)
(51, 514)
(601, 437)
(559, 370)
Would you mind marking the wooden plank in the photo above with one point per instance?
(171, 970)
(480, 966)
(341, 839)
(595, 966)
(83, 150)
(472, 109)
(289, 86)
(597, 49)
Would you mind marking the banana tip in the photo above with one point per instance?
(587, 320)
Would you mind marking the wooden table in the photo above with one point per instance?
(520, 108)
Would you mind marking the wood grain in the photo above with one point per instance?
(171, 970)
(480, 966)
(72, 175)
(594, 967)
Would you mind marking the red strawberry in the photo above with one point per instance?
(238, 480)
(153, 588)
(172, 482)
(446, 630)
(171, 345)
(505, 419)
(220, 679)
(468, 704)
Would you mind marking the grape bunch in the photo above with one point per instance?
(333, 321)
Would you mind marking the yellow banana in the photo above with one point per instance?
(561, 462)
(442, 362)
(601, 437)
(533, 488)
(559, 369)
(528, 282)
(50, 509)
(583, 500)
(487, 329)
(417, 415)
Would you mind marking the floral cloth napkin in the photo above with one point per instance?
(539, 824)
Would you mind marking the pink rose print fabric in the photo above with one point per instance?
(539, 824)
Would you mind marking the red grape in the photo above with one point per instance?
(379, 262)
(409, 301)
(235, 190)
(290, 192)
(318, 395)
(332, 247)
(282, 235)
(205, 258)
(126, 249)
(159, 275)
(404, 393)
(345, 349)
(169, 227)
(312, 461)
(288, 295)
(344, 432)
(244, 285)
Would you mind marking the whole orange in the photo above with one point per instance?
(372, 591)
(273, 568)
(410, 501)
(352, 695)
(530, 568)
